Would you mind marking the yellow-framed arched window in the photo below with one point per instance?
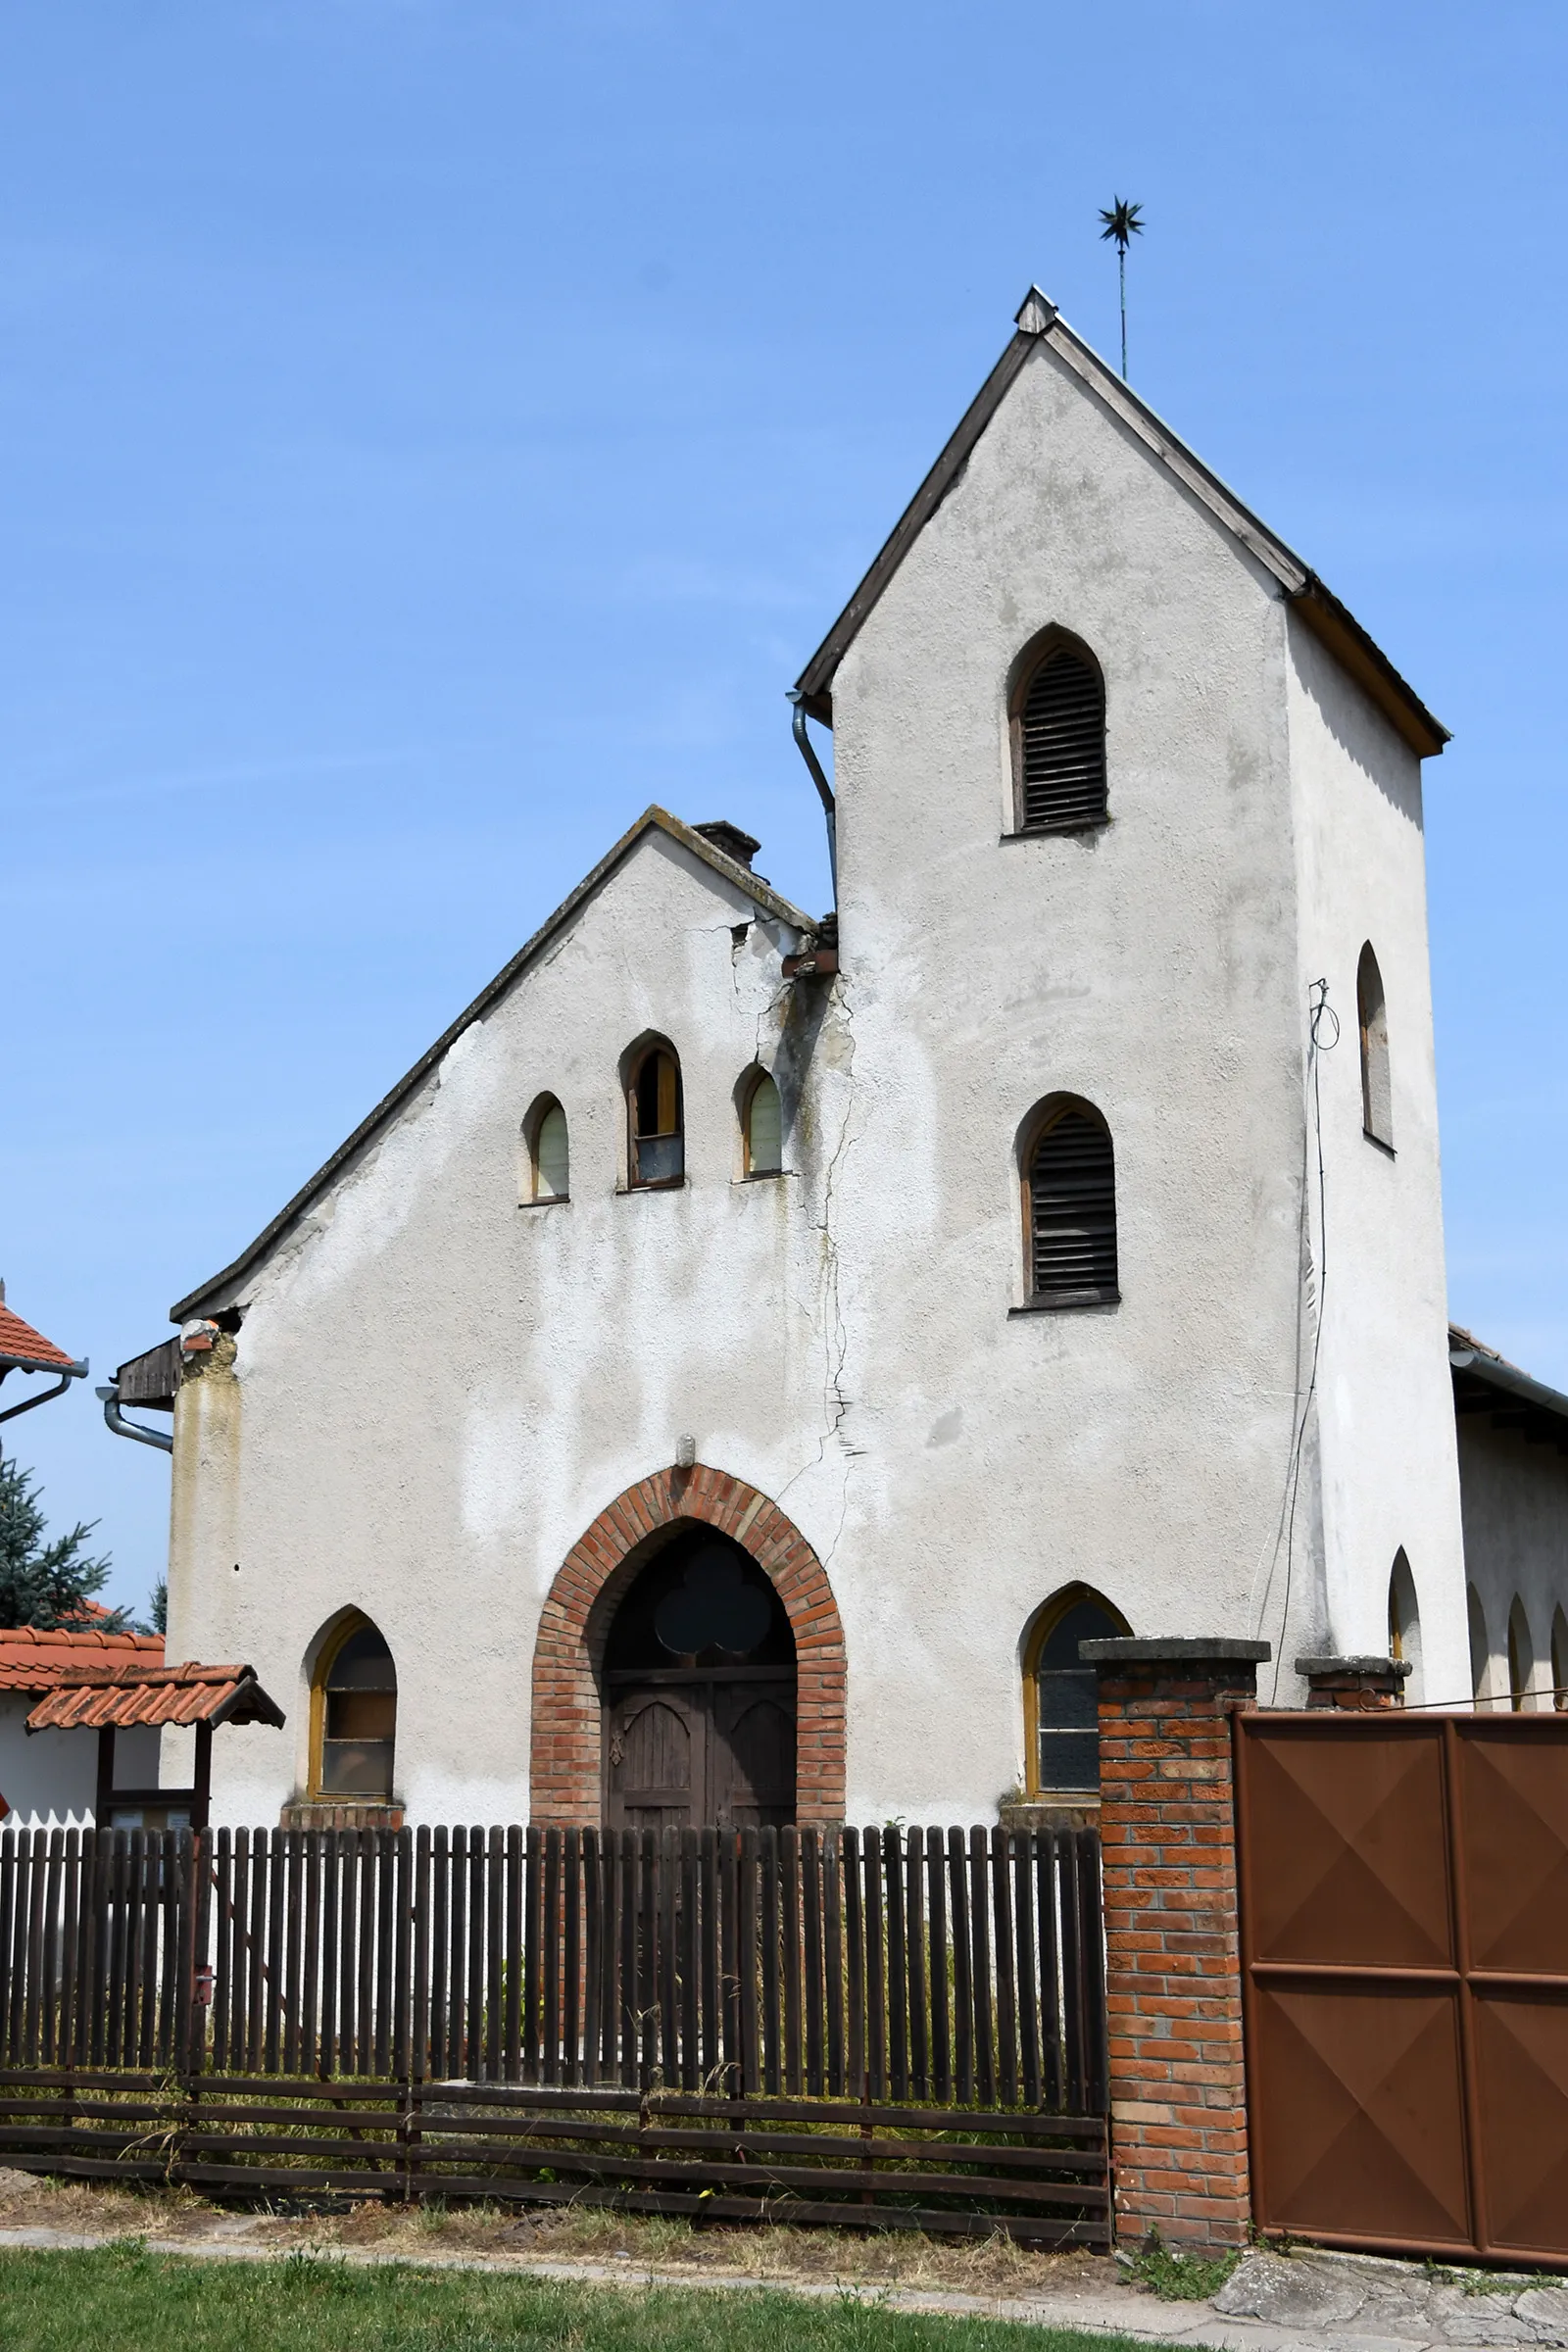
(545, 1172)
(761, 1125)
(353, 1715)
(1060, 1694)
(654, 1118)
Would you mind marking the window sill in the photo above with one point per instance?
(765, 1175)
(1377, 1143)
(1066, 1302)
(667, 1184)
(1076, 824)
(555, 1201)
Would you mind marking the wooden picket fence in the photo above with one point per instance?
(639, 2017)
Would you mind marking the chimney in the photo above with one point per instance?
(730, 839)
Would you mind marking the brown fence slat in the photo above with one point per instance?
(769, 1931)
(495, 1955)
(897, 1966)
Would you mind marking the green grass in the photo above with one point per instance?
(139, 2302)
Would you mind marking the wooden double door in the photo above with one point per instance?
(685, 1748)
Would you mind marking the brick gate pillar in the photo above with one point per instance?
(1173, 1989)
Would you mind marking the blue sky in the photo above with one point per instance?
(429, 432)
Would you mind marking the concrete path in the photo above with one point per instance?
(1309, 2302)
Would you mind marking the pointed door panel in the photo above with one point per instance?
(1522, 2052)
(1359, 2113)
(1348, 1848)
(654, 1758)
(1513, 1778)
(751, 1768)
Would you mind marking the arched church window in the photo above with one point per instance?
(353, 1715)
(763, 1127)
(1069, 1191)
(1405, 1624)
(1521, 1657)
(1377, 1092)
(547, 1158)
(1057, 721)
(1061, 1695)
(1480, 1645)
(655, 1119)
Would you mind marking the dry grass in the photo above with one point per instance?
(113, 2211)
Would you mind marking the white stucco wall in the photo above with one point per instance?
(434, 1392)
(439, 1390)
(1149, 967)
(1515, 1502)
(1384, 1404)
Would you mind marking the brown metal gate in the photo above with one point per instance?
(1405, 1951)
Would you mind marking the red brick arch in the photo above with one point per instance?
(565, 1749)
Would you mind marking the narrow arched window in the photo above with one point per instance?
(1404, 1625)
(763, 1127)
(655, 1119)
(1521, 1657)
(547, 1158)
(1058, 738)
(1377, 1099)
(1069, 1185)
(353, 1715)
(1062, 1696)
(1480, 1645)
(1560, 1663)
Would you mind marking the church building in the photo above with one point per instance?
(730, 1373)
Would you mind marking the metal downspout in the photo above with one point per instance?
(825, 787)
(130, 1429)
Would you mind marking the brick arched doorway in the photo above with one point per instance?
(565, 1775)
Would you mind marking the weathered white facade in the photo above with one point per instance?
(425, 1392)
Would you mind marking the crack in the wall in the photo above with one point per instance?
(835, 1405)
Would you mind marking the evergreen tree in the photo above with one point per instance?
(44, 1584)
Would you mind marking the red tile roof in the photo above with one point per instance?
(23, 1348)
(31, 1660)
(89, 1696)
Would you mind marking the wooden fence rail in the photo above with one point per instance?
(957, 1968)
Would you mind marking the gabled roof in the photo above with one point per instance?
(35, 1660)
(23, 1349)
(653, 819)
(93, 1697)
(1040, 323)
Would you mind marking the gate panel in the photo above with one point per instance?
(1404, 1947)
(1522, 2062)
(1513, 1802)
(1362, 2111)
(1353, 1849)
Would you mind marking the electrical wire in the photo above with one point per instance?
(1320, 1014)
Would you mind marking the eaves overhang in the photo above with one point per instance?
(1041, 325)
(219, 1292)
(1484, 1382)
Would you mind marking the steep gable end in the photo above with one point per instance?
(655, 823)
(1040, 325)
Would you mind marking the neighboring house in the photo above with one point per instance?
(25, 1350)
(1513, 1482)
(48, 1779)
(730, 1373)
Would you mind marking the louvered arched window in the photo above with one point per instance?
(1069, 1187)
(1058, 738)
